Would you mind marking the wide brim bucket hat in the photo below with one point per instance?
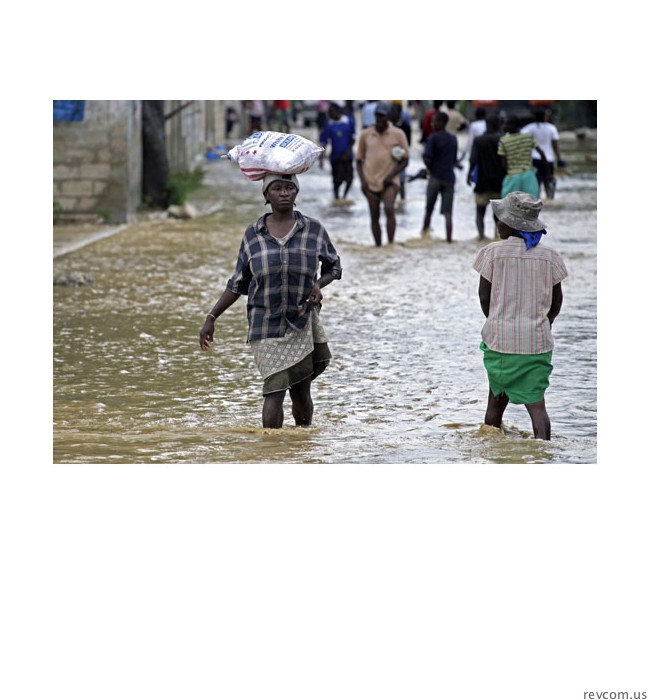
(520, 211)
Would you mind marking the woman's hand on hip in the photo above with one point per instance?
(315, 295)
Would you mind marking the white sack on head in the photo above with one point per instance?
(267, 152)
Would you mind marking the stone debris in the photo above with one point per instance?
(183, 211)
(73, 279)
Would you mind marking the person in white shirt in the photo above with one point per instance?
(477, 127)
(548, 139)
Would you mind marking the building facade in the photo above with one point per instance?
(97, 152)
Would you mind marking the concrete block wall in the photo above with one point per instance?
(97, 168)
(191, 128)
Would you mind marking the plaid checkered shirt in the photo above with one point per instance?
(278, 277)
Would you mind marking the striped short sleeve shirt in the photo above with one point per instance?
(522, 290)
(277, 278)
(517, 149)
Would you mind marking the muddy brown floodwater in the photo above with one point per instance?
(406, 384)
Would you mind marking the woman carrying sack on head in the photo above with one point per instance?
(277, 268)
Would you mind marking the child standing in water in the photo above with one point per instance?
(520, 292)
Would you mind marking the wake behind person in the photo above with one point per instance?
(382, 154)
(277, 268)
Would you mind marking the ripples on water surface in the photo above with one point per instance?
(406, 385)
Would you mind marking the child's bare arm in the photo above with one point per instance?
(484, 294)
(556, 302)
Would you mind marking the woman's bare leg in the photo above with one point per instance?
(302, 406)
(273, 412)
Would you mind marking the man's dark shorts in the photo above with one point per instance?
(446, 192)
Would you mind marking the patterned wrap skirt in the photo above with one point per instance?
(298, 355)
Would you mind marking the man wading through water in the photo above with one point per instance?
(382, 154)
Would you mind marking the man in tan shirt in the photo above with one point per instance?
(382, 153)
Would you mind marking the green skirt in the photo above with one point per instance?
(523, 182)
(522, 378)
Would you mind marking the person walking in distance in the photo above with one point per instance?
(516, 150)
(520, 292)
(456, 121)
(477, 127)
(382, 154)
(547, 138)
(339, 133)
(486, 171)
(440, 156)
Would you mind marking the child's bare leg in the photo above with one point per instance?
(540, 419)
(495, 407)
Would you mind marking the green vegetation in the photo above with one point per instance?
(104, 214)
(58, 210)
(181, 183)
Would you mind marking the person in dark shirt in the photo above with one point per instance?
(486, 171)
(277, 268)
(440, 156)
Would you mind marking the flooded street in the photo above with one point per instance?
(406, 383)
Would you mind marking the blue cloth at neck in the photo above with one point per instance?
(532, 239)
